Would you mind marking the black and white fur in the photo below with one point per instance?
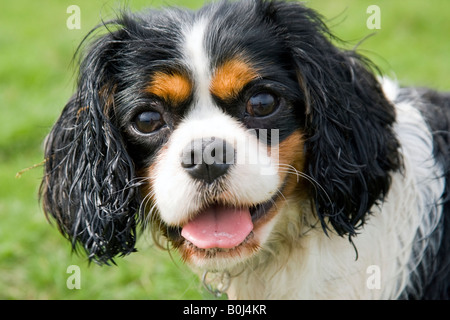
(376, 156)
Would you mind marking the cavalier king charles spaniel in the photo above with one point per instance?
(243, 138)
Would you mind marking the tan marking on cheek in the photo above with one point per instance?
(290, 155)
(231, 77)
(174, 88)
(291, 151)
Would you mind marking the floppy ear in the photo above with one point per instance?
(351, 147)
(88, 184)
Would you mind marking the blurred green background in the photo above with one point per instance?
(37, 78)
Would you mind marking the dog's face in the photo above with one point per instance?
(206, 124)
(217, 128)
(223, 129)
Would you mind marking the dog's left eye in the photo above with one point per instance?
(148, 122)
(262, 104)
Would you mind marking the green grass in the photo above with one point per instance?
(36, 79)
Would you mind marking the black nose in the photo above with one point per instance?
(207, 159)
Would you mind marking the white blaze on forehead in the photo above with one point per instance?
(198, 62)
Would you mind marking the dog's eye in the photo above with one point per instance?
(148, 122)
(262, 104)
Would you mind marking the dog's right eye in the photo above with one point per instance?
(262, 104)
(148, 122)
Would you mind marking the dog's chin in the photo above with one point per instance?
(218, 258)
(223, 251)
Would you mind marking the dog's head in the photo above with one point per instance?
(208, 125)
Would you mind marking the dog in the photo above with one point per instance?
(246, 140)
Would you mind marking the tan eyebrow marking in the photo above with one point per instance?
(174, 88)
(231, 77)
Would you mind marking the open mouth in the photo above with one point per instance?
(221, 229)
(218, 227)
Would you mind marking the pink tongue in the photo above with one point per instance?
(219, 227)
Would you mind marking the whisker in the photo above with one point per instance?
(146, 216)
(286, 168)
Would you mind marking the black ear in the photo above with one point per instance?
(88, 183)
(351, 147)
